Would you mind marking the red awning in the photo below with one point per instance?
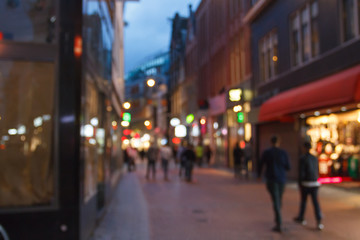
(337, 89)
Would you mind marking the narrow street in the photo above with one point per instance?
(217, 206)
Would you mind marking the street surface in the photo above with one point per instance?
(216, 206)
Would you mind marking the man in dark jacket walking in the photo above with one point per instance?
(308, 184)
(277, 163)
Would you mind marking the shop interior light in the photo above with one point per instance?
(174, 122)
(216, 125)
(343, 109)
(88, 130)
(302, 116)
(317, 113)
(12, 131)
(202, 121)
(94, 121)
(114, 123)
(180, 131)
(358, 119)
(21, 129)
(125, 123)
(147, 123)
(237, 108)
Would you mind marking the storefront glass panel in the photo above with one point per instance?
(28, 21)
(335, 140)
(26, 133)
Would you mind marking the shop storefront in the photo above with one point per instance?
(325, 112)
(335, 139)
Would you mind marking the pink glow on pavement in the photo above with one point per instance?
(330, 180)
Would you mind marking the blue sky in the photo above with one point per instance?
(149, 27)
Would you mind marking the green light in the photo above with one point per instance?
(240, 117)
(190, 118)
(127, 117)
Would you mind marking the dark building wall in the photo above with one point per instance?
(334, 56)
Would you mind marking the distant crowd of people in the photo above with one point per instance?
(274, 160)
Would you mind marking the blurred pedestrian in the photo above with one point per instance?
(189, 157)
(152, 156)
(199, 154)
(131, 156)
(247, 157)
(179, 157)
(309, 185)
(277, 163)
(208, 154)
(166, 154)
(238, 154)
(142, 154)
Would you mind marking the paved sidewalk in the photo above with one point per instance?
(127, 215)
(218, 207)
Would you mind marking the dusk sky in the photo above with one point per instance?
(149, 27)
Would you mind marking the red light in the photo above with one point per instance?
(330, 180)
(176, 140)
(78, 46)
(127, 132)
(1, 36)
(137, 135)
(242, 144)
(2, 146)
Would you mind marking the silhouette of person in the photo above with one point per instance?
(277, 163)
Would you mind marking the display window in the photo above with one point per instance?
(335, 141)
(27, 93)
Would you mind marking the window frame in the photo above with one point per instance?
(356, 20)
(305, 40)
(266, 46)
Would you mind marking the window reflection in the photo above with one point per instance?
(26, 127)
(28, 20)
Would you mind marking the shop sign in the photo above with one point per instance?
(190, 118)
(235, 95)
(240, 117)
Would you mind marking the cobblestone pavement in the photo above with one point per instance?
(218, 207)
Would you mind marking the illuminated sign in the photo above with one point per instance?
(127, 117)
(235, 95)
(240, 117)
(190, 118)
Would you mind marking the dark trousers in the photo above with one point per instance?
(188, 171)
(165, 166)
(313, 192)
(151, 167)
(237, 169)
(276, 191)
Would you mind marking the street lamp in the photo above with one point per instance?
(126, 105)
(150, 82)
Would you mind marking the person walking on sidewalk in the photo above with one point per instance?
(277, 163)
(152, 156)
(189, 157)
(308, 184)
(166, 154)
(238, 154)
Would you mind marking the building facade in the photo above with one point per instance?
(306, 77)
(60, 91)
